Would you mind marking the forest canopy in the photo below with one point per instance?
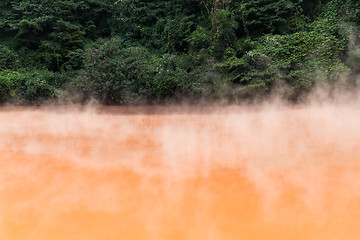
(136, 52)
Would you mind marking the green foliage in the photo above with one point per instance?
(296, 58)
(56, 29)
(160, 26)
(34, 87)
(299, 47)
(176, 31)
(8, 82)
(224, 26)
(115, 72)
(118, 73)
(264, 16)
(200, 39)
(8, 58)
(29, 86)
(54, 48)
(211, 82)
(172, 77)
(340, 11)
(168, 48)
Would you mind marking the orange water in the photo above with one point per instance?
(229, 173)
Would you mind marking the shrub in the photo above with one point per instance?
(176, 32)
(224, 26)
(172, 77)
(8, 58)
(295, 58)
(115, 72)
(36, 86)
(29, 86)
(199, 39)
(8, 82)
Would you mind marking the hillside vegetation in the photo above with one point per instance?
(138, 52)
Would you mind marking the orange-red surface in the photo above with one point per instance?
(272, 173)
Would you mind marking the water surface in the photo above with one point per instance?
(180, 173)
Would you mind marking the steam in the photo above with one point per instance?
(180, 173)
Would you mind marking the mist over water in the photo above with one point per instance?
(271, 172)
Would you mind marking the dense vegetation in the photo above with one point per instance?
(133, 51)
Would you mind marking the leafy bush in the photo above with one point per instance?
(172, 77)
(224, 26)
(8, 58)
(55, 30)
(297, 59)
(311, 51)
(115, 72)
(36, 86)
(258, 17)
(160, 26)
(199, 39)
(29, 86)
(176, 32)
(8, 81)
(211, 82)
